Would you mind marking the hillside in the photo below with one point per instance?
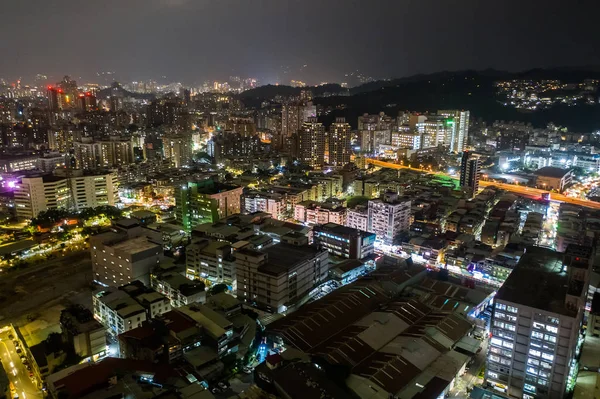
(472, 90)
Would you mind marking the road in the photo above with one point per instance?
(16, 370)
(515, 188)
(49, 281)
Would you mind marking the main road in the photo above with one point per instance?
(515, 188)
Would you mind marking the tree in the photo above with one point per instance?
(49, 218)
(218, 288)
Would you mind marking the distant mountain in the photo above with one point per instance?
(271, 91)
(472, 90)
(117, 90)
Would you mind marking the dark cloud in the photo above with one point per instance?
(193, 40)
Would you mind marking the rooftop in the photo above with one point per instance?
(339, 229)
(551, 171)
(538, 281)
(97, 377)
(135, 245)
(284, 257)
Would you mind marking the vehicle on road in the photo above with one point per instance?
(19, 351)
(222, 385)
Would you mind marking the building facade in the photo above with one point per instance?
(389, 216)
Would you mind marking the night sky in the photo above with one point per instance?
(277, 40)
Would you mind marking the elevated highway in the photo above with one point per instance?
(515, 188)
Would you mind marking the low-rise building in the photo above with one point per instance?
(319, 213)
(552, 178)
(180, 290)
(272, 203)
(117, 311)
(358, 218)
(276, 278)
(344, 241)
(119, 260)
(80, 329)
(212, 260)
(123, 309)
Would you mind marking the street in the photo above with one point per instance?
(16, 370)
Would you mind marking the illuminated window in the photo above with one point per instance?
(529, 388)
(535, 353)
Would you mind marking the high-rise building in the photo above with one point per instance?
(292, 117)
(459, 123)
(61, 138)
(388, 217)
(311, 143)
(537, 322)
(205, 201)
(178, 148)
(469, 172)
(73, 189)
(90, 154)
(86, 102)
(433, 131)
(54, 99)
(511, 140)
(339, 142)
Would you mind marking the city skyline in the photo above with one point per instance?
(192, 41)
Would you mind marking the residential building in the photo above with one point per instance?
(117, 311)
(68, 189)
(344, 241)
(38, 194)
(271, 203)
(469, 173)
(292, 117)
(388, 217)
(180, 290)
(127, 307)
(339, 143)
(80, 329)
(311, 212)
(17, 162)
(358, 218)
(49, 162)
(311, 143)
(211, 260)
(537, 322)
(178, 148)
(277, 277)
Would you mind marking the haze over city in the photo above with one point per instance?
(277, 41)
